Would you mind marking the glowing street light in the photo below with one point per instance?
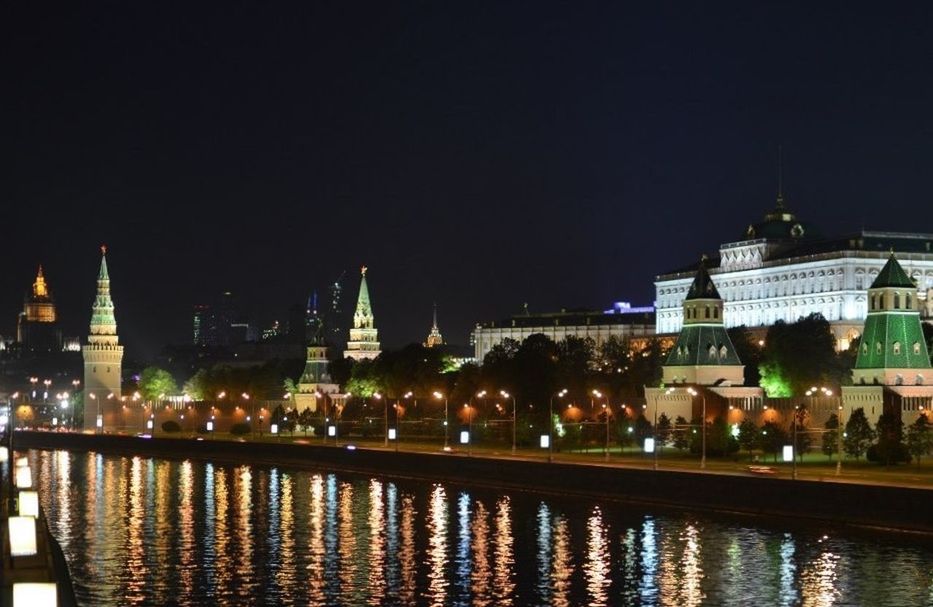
(693, 392)
(550, 425)
(514, 418)
(439, 396)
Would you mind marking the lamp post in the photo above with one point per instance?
(839, 428)
(439, 396)
(599, 394)
(514, 417)
(385, 412)
(550, 425)
(398, 421)
(693, 392)
(480, 394)
(12, 459)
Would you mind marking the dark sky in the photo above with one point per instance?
(478, 154)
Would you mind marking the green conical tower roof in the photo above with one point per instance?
(703, 287)
(363, 307)
(892, 275)
(103, 321)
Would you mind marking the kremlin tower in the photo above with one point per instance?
(103, 355)
(364, 337)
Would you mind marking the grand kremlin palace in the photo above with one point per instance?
(783, 269)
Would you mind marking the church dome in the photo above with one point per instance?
(780, 223)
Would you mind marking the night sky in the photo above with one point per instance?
(480, 155)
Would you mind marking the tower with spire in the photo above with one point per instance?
(315, 383)
(37, 328)
(364, 337)
(434, 336)
(103, 354)
(703, 354)
(893, 351)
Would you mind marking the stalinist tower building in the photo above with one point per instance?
(103, 355)
(364, 338)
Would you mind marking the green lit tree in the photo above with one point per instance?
(858, 435)
(748, 435)
(306, 419)
(919, 438)
(154, 381)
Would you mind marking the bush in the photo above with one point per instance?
(202, 429)
(241, 428)
(171, 426)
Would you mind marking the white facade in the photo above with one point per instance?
(489, 335)
(759, 291)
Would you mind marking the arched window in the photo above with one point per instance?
(864, 348)
(878, 347)
(907, 301)
(916, 347)
(896, 347)
(715, 312)
(897, 301)
(919, 380)
(873, 304)
(712, 352)
(723, 351)
(707, 311)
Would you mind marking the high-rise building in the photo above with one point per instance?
(220, 324)
(434, 336)
(334, 316)
(364, 337)
(37, 329)
(103, 354)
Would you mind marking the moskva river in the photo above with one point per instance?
(144, 531)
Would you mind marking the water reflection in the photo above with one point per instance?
(144, 531)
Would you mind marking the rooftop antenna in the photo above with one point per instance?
(780, 168)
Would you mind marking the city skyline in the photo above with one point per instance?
(515, 156)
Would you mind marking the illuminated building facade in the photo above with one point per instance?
(636, 326)
(364, 337)
(434, 336)
(103, 354)
(37, 328)
(783, 270)
(315, 383)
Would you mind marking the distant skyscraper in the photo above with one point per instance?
(220, 324)
(334, 315)
(434, 337)
(37, 327)
(314, 324)
(364, 338)
(202, 324)
(103, 354)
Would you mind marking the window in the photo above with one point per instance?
(723, 351)
(712, 352)
(707, 311)
(897, 301)
(907, 301)
(715, 312)
(916, 347)
(878, 347)
(873, 304)
(897, 347)
(864, 348)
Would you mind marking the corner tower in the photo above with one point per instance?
(364, 337)
(103, 354)
(703, 354)
(893, 351)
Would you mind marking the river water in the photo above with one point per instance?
(145, 531)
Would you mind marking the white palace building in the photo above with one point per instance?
(783, 270)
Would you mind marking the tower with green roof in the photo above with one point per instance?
(364, 337)
(103, 354)
(703, 354)
(893, 351)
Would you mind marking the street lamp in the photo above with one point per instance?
(599, 394)
(97, 417)
(514, 418)
(550, 425)
(439, 396)
(693, 392)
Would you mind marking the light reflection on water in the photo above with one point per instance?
(147, 531)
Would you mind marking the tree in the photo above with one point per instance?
(890, 448)
(772, 438)
(748, 435)
(197, 386)
(642, 430)
(719, 439)
(858, 434)
(748, 351)
(919, 438)
(802, 439)
(306, 419)
(663, 431)
(290, 387)
(154, 381)
(831, 436)
(799, 355)
(681, 433)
